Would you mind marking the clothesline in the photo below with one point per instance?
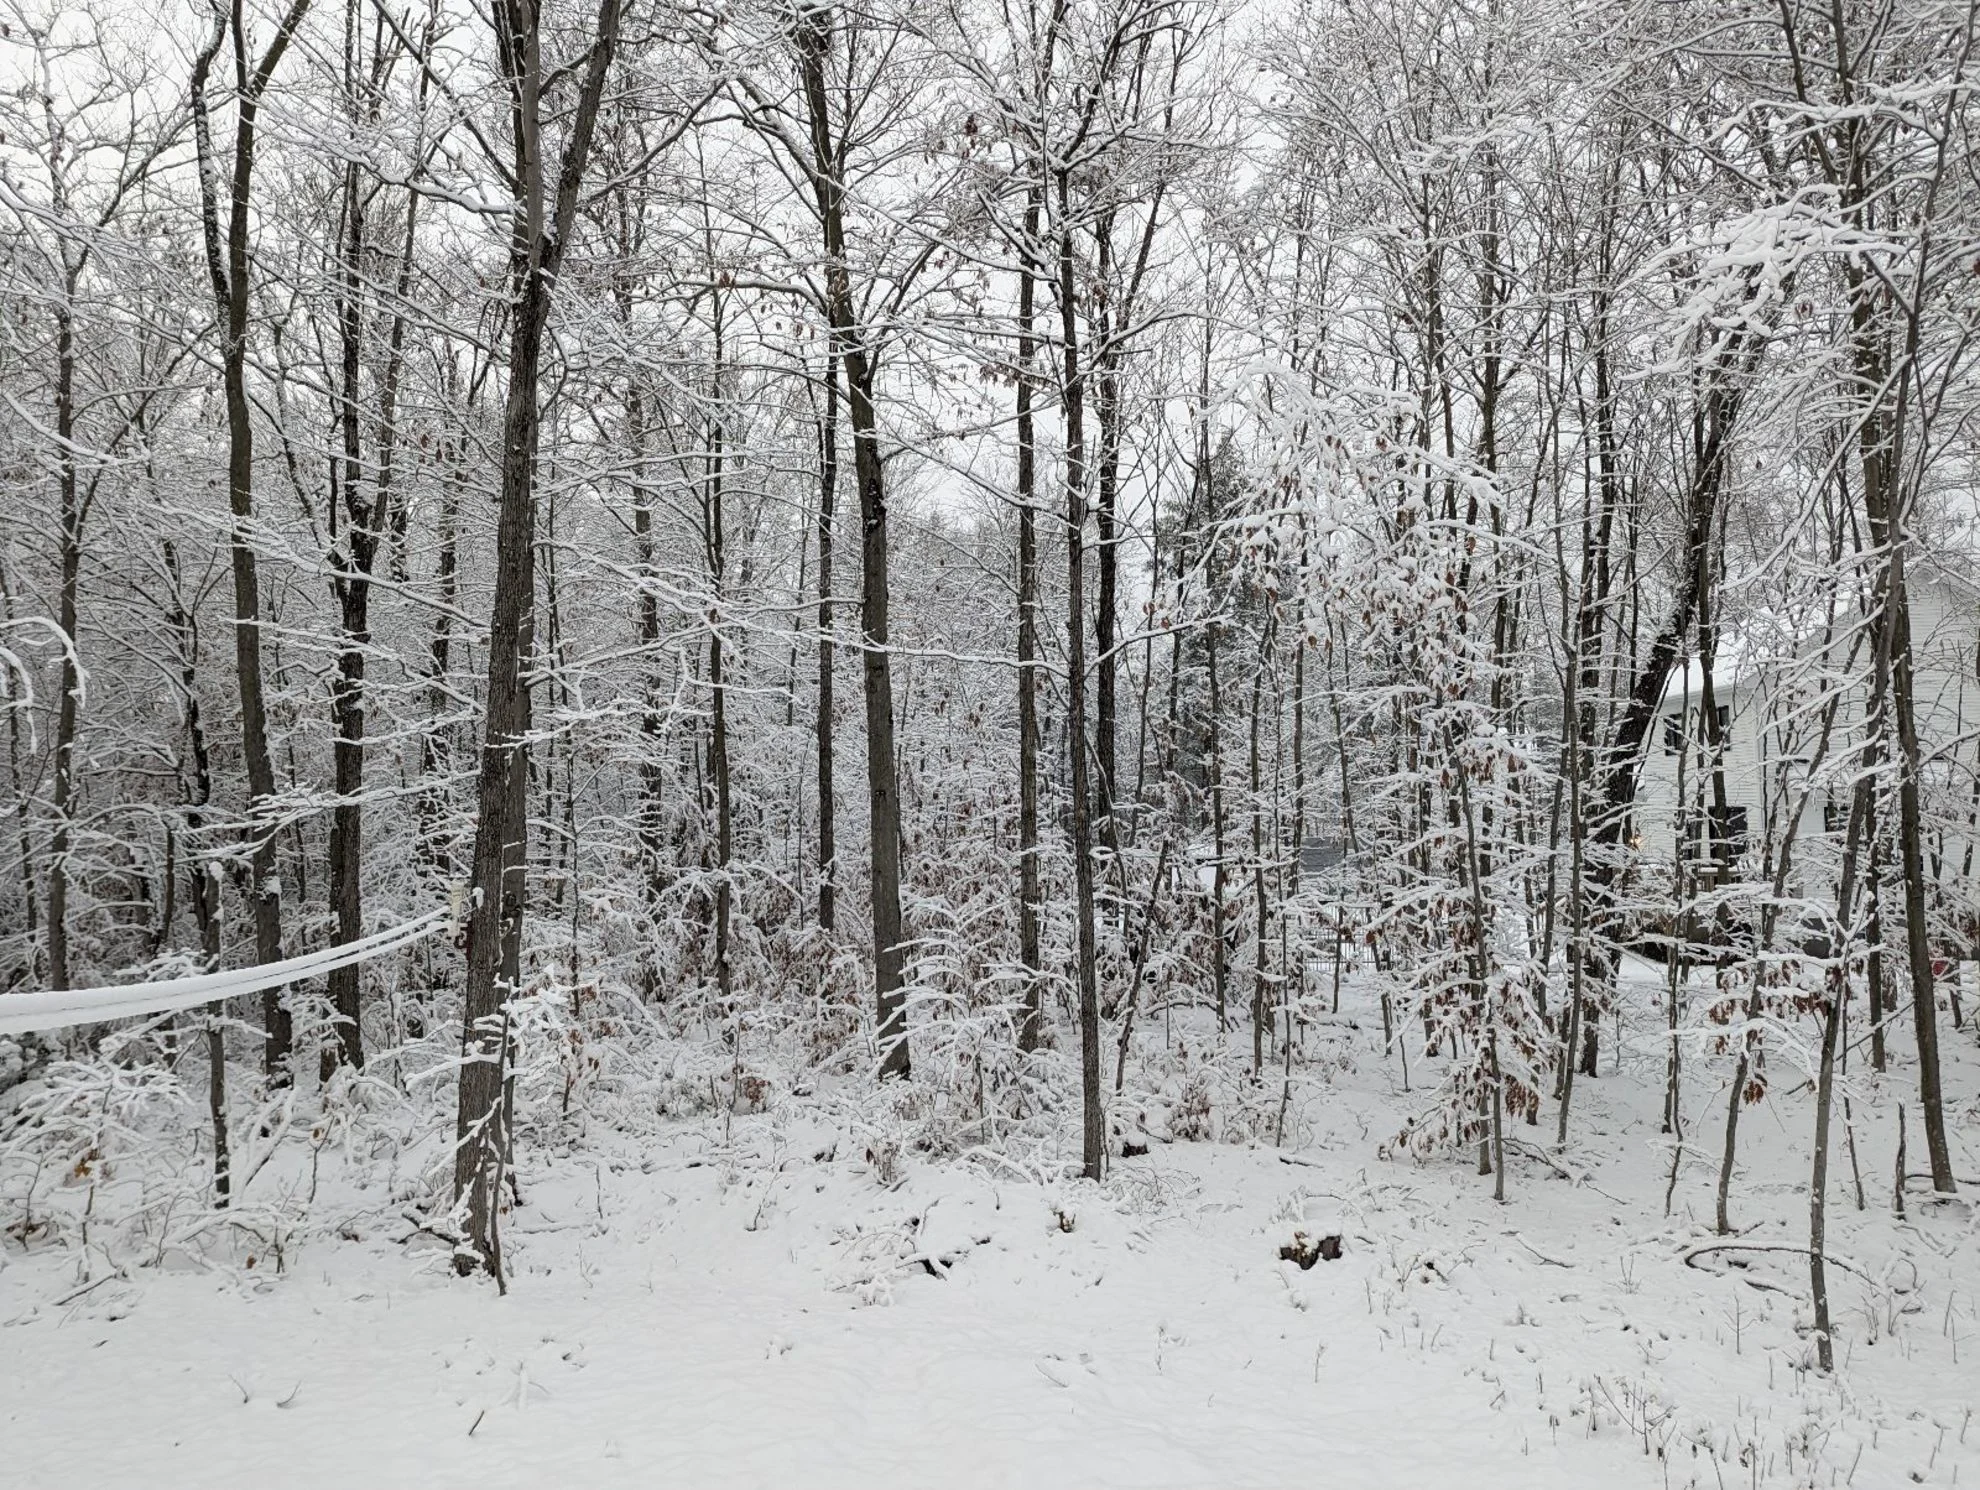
(21, 1013)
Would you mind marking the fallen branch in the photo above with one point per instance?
(1527, 1150)
(1553, 1262)
(1691, 1257)
(70, 1298)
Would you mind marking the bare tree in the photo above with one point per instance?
(542, 216)
(228, 260)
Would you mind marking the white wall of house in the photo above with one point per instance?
(1765, 750)
(1677, 760)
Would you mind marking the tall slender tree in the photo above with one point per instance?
(542, 216)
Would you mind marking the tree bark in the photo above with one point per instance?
(1029, 892)
(351, 567)
(828, 502)
(1818, 1180)
(1106, 486)
(1219, 873)
(227, 267)
(1073, 398)
(202, 873)
(71, 701)
(718, 697)
(541, 229)
(1258, 973)
(883, 810)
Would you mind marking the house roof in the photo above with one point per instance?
(1687, 677)
(1734, 666)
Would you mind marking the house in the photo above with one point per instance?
(1769, 701)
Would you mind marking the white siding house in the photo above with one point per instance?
(1769, 737)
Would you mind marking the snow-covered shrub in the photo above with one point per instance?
(1193, 1117)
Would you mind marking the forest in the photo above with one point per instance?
(685, 671)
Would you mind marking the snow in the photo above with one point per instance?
(748, 1301)
(1731, 673)
(59, 1008)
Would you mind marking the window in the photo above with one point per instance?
(1729, 836)
(1835, 816)
(1722, 714)
(1729, 831)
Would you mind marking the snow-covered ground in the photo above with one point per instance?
(763, 1302)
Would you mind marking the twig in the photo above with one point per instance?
(69, 1298)
(1529, 1151)
(1550, 1261)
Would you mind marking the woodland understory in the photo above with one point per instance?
(1005, 588)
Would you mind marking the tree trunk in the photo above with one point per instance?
(352, 568)
(652, 777)
(1258, 973)
(882, 786)
(828, 502)
(1818, 1181)
(202, 873)
(71, 700)
(1027, 638)
(227, 267)
(1074, 392)
(883, 809)
(1918, 933)
(494, 933)
(1107, 409)
(435, 839)
(1219, 875)
(23, 816)
(718, 742)
(1715, 423)
(1894, 706)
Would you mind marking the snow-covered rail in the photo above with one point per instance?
(23, 1012)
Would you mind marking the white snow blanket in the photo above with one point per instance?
(23, 1012)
